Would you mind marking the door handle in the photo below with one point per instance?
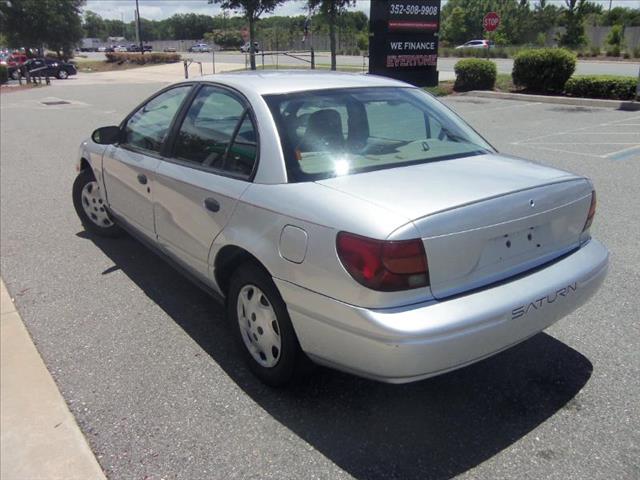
(142, 178)
(211, 204)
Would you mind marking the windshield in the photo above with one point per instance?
(327, 133)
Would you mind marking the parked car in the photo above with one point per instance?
(120, 48)
(247, 46)
(169, 50)
(350, 220)
(476, 44)
(147, 48)
(199, 48)
(52, 68)
(102, 49)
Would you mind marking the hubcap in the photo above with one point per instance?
(259, 326)
(63, 74)
(93, 205)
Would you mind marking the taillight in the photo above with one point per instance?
(384, 265)
(592, 212)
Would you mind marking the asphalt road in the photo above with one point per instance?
(147, 365)
(505, 65)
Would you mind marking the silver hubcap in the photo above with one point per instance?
(93, 205)
(63, 74)
(259, 326)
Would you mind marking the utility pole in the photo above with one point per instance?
(138, 36)
(610, 2)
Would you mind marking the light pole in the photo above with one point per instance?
(138, 27)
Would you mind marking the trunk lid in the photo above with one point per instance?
(482, 219)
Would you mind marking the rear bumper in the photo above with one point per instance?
(418, 341)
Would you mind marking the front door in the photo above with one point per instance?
(129, 167)
(212, 160)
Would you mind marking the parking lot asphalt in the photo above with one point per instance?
(148, 367)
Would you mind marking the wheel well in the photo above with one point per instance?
(84, 164)
(228, 259)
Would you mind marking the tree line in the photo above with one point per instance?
(61, 24)
(527, 22)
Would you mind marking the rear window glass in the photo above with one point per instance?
(339, 132)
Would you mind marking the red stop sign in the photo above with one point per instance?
(491, 21)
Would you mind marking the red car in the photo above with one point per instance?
(14, 62)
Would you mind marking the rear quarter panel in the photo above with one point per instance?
(263, 212)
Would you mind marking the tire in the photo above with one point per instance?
(15, 75)
(62, 74)
(290, 362)
(90, 206)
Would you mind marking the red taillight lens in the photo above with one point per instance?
(384, 265)
(592, 212)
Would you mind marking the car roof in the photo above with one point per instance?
(265, 82)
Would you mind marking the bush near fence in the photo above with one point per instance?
(142, 59)
(602, 86)
(4, 74)
(475, 74)
(543, 70)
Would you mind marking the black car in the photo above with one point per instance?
(136, 48)
(52, 68)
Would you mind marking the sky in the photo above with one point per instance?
(159, 9)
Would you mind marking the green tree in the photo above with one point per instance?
(251, 10)
(331, 10)
(455, 28)
(93, 25)
(35, 23)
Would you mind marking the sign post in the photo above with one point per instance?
(490, 22)
(404, 40)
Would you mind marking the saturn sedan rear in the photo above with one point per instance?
(349, 220)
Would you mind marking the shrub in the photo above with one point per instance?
(140, 59)
(613, 51)
(636, 52)
(616, 36)
(594, 50)
(4, 74)
(602, 86)
(545, 70)
(475, 74)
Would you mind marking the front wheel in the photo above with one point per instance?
(90, 207)
(63, 74)
(15, 74)
(262, 326)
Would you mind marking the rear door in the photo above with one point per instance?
(129, 166)
(212, 159)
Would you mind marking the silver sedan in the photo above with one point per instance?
(347, 220)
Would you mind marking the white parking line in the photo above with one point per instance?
(575, 130)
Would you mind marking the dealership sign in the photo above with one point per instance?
(404, 40)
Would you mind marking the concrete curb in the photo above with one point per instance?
(39, 437)
(582, 102)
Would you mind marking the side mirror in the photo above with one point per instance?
(106, 135)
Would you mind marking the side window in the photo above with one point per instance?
(206, 136)
(149, 126)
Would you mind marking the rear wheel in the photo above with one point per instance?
(90, 207)
(63, 74)
(15, 74)
(263, 328)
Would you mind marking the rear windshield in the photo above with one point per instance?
(327, 133)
